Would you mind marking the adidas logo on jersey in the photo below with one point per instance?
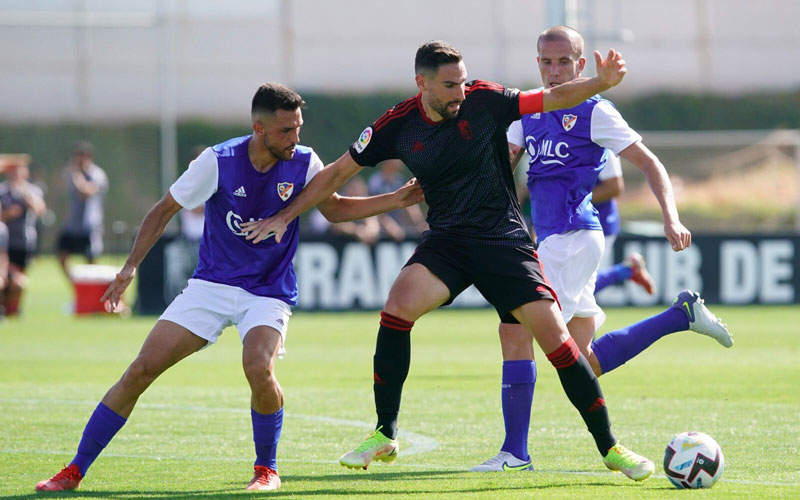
(240, 192)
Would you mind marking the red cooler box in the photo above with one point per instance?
(90, 282)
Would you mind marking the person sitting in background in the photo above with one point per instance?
(367, 231)
(22, 203)
(398, 224)
(86, 187)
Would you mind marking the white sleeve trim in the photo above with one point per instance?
(613, 168)
(196, 185)
(314, 167)
(610, 130)
(515, 134)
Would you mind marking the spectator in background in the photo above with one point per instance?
(86, 187)
(22, 203)
(398, 224)
(3, 264)
(367, 231)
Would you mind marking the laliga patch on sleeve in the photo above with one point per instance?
(363, 140)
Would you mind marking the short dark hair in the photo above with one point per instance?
(271, 97)
(433, 54)
(83, 148)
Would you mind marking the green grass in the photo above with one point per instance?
(190, 435)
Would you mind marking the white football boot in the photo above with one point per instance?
(503, 461)
(701, 320)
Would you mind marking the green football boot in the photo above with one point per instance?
(621, 459)
(375, 447)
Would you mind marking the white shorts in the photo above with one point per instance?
(570, 261)
(205, 309)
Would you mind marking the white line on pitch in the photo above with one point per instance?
(418, 443)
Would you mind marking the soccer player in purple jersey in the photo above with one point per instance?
(452, 137)
(568, 149)
(236, 282)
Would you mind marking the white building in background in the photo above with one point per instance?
(130, 59)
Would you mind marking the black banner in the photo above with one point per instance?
(339, 274)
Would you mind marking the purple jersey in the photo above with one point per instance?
(568, 149)
(241, 193)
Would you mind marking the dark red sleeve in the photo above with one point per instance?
(531, 102)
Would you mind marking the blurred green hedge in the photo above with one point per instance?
(129, 152)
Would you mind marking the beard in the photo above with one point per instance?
(281, 154)
(442, 109)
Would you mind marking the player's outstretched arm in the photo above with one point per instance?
(346, 208)
(610, 72)
(325, 183)
(638, 154)
(150, 231)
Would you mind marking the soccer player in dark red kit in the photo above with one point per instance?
(452, 136)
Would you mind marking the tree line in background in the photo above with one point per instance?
(129, 152)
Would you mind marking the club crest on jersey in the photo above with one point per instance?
(285, 190)
(568, 122)
(363, 140)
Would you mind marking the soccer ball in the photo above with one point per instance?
(693, 460)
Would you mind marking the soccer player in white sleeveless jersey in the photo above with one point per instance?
(238, 282)
(568, 148)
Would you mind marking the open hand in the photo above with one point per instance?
(113, 296)
(260, 230)
(611, 69)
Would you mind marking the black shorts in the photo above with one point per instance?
(507, 277)
(19, 257)
(75, 243)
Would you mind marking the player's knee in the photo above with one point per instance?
(257, 370)
(402, 306)
(139, 374)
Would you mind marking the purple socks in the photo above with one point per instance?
(611, 276)
(519, 378)
(615, 348)
(101, 427)
(266, 434)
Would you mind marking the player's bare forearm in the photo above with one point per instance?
(341, 208)
(150, 231)
(570, 94)
(656, 176)
(322, 186)
(658, 180)
(153, 226)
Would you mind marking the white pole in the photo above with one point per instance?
(167, 96)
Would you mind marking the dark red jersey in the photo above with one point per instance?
(461, 164)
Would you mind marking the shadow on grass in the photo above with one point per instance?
(348, 484)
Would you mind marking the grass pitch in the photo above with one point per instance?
(190, 435)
